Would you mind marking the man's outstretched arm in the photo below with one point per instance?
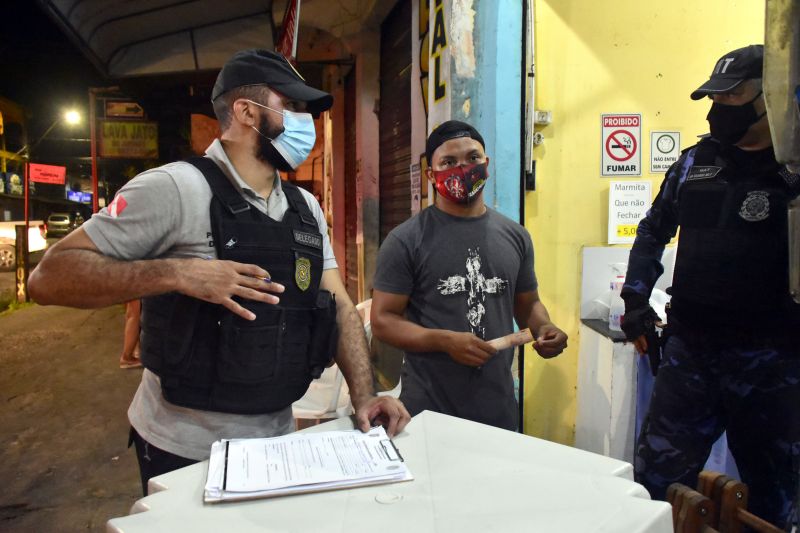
(75, 273)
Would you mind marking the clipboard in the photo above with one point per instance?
(245, 469)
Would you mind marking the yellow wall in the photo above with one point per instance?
(595, 57)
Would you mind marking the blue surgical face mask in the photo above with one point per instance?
(294, 144)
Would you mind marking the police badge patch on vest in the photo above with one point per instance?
(702, 173)
(302, 273)
(755, 206)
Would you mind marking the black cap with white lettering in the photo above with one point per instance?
(732, 69)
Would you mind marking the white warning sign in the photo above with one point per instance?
(665, 149)
(622, 145)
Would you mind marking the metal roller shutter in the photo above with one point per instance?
(395, 118)
(351, 210)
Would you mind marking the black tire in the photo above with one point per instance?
(8, 258)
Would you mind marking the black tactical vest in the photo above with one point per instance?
(732, 261)
(210, 359)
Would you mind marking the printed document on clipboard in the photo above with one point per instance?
(243, 469)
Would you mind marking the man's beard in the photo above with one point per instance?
(265, 151)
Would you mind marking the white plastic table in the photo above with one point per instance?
(468, 478)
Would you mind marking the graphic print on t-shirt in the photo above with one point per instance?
(117, 206)
(476, 286)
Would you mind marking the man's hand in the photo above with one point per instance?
(640, 343)
(384, 410)
(219, 281)
(550, 341)
(467, 349)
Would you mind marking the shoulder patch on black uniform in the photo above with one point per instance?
(702, 172)
(791, 179)
(308, 239)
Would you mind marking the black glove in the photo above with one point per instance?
(639, 318)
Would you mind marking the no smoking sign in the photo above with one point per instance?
(621, 147)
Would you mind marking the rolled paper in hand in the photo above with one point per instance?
(514, 339)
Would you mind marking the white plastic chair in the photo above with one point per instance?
(328, 396)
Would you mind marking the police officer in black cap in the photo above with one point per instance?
(731, 360)
(240, 292)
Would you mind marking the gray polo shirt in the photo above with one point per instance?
(164, 213)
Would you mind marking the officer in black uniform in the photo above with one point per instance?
(731, 360)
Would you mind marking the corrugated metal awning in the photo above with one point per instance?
(124, 38)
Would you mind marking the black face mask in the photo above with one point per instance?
(729, 123)
(265, 151)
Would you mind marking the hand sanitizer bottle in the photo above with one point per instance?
(616, 306)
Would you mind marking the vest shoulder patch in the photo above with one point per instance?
(791, 179)
(308, 239)
(702, 172)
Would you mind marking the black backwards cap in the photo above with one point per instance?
(452, 129)
(732, 69)
(264, 67)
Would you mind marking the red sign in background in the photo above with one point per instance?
(47, 174)
(286, 43)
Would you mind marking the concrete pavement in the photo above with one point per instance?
(64, 461)
(8, 284)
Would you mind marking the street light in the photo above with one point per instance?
(70, 117)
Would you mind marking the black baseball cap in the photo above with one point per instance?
(264, 67)
(452, 129)
(732, 69)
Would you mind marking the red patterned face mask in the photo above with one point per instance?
(463, 183)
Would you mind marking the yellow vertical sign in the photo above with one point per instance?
(424, 50)
(438, 96)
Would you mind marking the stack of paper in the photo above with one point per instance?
(241, 469)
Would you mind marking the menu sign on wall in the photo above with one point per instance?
(628, 202)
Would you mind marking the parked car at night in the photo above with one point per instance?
(8, 238)
(59, 224)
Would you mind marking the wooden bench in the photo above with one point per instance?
(719, 505)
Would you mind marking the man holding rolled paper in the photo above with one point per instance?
(448, 286)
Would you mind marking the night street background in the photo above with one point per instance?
(63, 456)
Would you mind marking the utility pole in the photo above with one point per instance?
(93, 92)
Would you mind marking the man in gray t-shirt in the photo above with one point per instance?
(451, 278)
(155, 238)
